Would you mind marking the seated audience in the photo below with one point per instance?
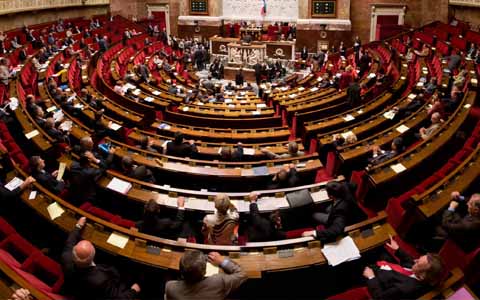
(45, 179)
(166, 227)
(194, 284)
(84, 279)
(380, 156)
(285, 178)
(83, 180)
(463, 228)
(137, 172)
(292, 152)
(342, 212)
(262, 229)
(228, 153)
(180, 147)
(225, 211)
(408, 280)
(436, 120)
(146, 143)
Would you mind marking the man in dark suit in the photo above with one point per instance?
(86, 280)
(239, 78)
(258, 72)
(261, 229)
(407, 280)
(464, 229)
(344, 211)
(86, 147)
(47, 180)
(285, 178)
(138, 172)
(353, 93)
(165, 227)
(103, 44)
(364, 63)
(181, 148)
(82, 179)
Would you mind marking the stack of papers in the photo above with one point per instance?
(320, 196)
(211, 270)
(119, 185)
(55, 210)
(349, 118)
(341, 251)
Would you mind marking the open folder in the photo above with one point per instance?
(341, 251)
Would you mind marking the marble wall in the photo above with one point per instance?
(251, 9)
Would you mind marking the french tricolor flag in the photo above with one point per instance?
(263, 12)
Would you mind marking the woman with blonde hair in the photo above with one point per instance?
(219, 228)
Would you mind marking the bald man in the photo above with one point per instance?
(86, 280)
(463, 229)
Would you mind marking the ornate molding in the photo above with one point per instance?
(475, 3)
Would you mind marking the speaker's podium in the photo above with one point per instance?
(246, 54)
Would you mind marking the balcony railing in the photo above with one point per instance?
(465, 2)
(9, 6)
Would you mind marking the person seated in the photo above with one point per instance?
(47, 180)
(154, 223)
(82, 180)
(86, 145)
(431, 86)
(195, 285)
(118, 88)
(85, 279)
(58, 135)
(408, 280)
(412, 106)
(340, 141)
(137, 172)
(146, 143)
(456, 96)
(225, 211)
(285, 178)
(437, 105)
(228, 153)
(179, 147)
(410, 56)
(343, 211)
(292, 152)
(463, 228)
(379, 156)
(436, 120)
(262, 229)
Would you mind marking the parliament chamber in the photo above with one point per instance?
(232, 149)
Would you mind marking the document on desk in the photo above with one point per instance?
(341, 251)
(118, 240)
(119, 185)
(13, 184)
(248, 151)
(389, 115)
(148, 99)
(402, 128)
(349, 118)
(156, 93)
(211, 270)
(241, 205)
(260, 171)
(398, 168)
(114, 126)
(261, 105)
(320, 196)
(55, 210)
(267, 204)
(32, 134)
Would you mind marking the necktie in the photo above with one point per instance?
(395, 267)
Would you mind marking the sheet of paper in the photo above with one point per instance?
(341, 251)
(119, 185)
(79, 106)
(248, 151)
(33, 195)
(115, 126)
(61, 170)
(55, 210)
(314, 89)
(51, 108)
(467, 106)
(412, 96)
(349, 118)
(389, 115)
(148, 99)
(461, 294)
(398, 168)
(301, 88)
(261, 105)
(211, 270)
(136, 92)
(156, 93)
(346, 134)
(13, 184)
(32, 134)
(58, 115)
(474, 81)
(402, 128)
(255, 112)
(186, 108)
(267, 203)
(118, 240)
(241, 205)
(319, 196)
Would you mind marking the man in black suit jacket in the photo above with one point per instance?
(343, 212)
(181, 148)
(258, 72)
(408, 280)
(239, 78)
(464, 229)
(86, 280)
(83, 180)
(353, 93)
(261, 229)
(165, 227)
(47, 180)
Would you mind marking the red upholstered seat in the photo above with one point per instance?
(330, 169)
(18, 247)
(453, 257)
(123, 222)
(359, 178)
(293, 234)
(5, 229)
(360, 293)
(48, 272)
